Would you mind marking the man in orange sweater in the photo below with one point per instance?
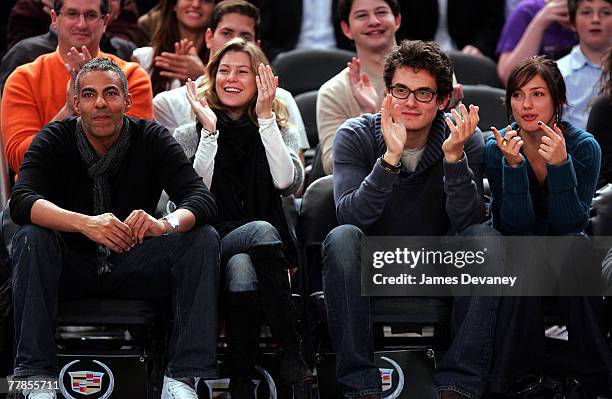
(42, 91)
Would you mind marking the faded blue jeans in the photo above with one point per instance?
(240, 274)
(467, 362)
(182, 267)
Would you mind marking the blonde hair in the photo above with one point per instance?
(207, 86)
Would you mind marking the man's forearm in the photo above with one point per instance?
(186, 221)
(46, 214)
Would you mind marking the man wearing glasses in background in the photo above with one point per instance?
(409, 170)
(42, 91)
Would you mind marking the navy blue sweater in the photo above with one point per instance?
(436, 199)
(558, 207)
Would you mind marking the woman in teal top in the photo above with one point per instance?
(543, 172)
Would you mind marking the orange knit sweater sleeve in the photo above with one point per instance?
(22, 118)
(139, 85)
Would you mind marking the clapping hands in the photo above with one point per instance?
(183, 64)
(200, 108)
(266, 91)
(362, 89)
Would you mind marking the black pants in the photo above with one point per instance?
(182, 267)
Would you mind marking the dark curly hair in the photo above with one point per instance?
(418, 55)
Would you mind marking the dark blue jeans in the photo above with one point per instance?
(181, 267)
(463, 368)
(240, 274)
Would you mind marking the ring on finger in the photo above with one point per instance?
(504, 142)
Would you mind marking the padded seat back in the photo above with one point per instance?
(303, 70)
(491, 102)
(601, 212)
(474, 70)
(307, 103)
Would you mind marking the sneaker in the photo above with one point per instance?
(177, 389)
(38, 394)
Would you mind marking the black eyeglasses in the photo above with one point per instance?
(73, 15)
(423, 95)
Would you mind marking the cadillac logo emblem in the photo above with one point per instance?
(93, 379)
(386, 376)
(86, 382)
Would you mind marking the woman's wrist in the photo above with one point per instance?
(515, 162)
(265, 115)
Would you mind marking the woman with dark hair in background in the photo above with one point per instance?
(177, 51)
(543, 172)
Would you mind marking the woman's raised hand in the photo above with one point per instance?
(200, 107)
(552, 148)
(510, 145)
(266, 90)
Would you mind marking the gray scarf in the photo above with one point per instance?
(99, 169)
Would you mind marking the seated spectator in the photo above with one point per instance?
(600, 123)
(177, 49)
(543, 171)
(42, 91)
(32, 18)
(290, 24)
(230, 19)
(359, 88)
(534, 27)
(248, 157)
(472, 27)
(581, 69)
(407, 171)
(28, 49)
(84, 200)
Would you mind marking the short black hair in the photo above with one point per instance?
(344, 8)
(240, 7)
(421, 55)
(572, 6)
(57, 6)
(101, 64)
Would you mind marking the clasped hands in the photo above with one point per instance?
(118, 236)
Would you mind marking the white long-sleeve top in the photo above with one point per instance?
(280, 147)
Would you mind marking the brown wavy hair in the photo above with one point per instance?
(165, 35)
(257, 57)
